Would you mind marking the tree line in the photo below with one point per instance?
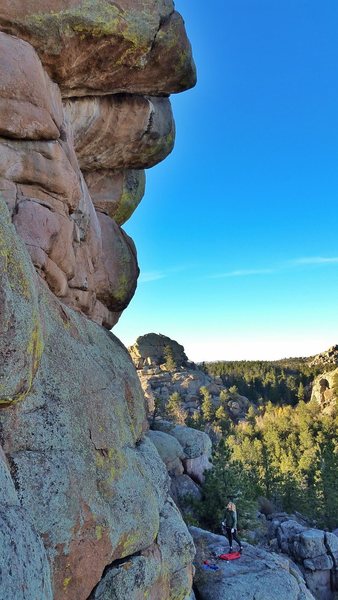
(281, 382)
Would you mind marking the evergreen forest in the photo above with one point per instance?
(284, 454)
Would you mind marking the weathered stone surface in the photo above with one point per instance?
(43, 172)
(319, 582)
(319, 563)
(323, 391)
(195, 443)
(197, 467)
(170, 451)
(152, 347)
(86, 260)
(196, 447)
(83, 491)
(161, 571)
(98, 47)
(184, 488)
(134, 578)
(257, 574)
(315, 552)
(177, 549)
(117, 270)
(30, 103)
(310, 544)
(24, 567)
(92, 486)
(331, 544)
(116, 193)
(21, 343)
(121, 131)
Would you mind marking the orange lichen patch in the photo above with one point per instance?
(79, 568)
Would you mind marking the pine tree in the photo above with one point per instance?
(301, 393)
(207, 406)
(170, 362)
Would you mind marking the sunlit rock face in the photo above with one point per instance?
(71, 167)
(93, 47)
(84, 496)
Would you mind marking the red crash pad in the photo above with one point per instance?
(230, 556)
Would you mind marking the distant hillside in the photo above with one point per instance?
(281, 382)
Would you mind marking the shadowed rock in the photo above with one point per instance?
(116, 132)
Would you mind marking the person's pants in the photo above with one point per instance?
(233, 536)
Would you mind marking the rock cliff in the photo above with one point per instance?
(324, 391)
(160, 380)
(84, 495)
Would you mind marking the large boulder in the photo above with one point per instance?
(151, 349)
(120, 131)
(116, 193)
(170, 450)
(100, 47)
(86, 259)
(197, 448)
(156, 572)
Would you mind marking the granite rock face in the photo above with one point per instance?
(184, 480)
(85, 503)
(323, 391)
(257, 574)
(150, 350)
(95, 490)
(95, 47)
(313, 550)
(125, 59)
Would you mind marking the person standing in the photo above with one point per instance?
(230, 524)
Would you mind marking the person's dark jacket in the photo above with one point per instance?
(230, 519)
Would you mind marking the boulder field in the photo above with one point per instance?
(85, 505)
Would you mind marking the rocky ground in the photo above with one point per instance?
(256, 574)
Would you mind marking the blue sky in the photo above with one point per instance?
(237, 232)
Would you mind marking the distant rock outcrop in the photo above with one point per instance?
(150, 350)
(325, 391)
(159, 381)
(327, 359)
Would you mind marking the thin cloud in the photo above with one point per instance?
(148, 276)
(295, 262)
(314, 260)
(243, 273)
